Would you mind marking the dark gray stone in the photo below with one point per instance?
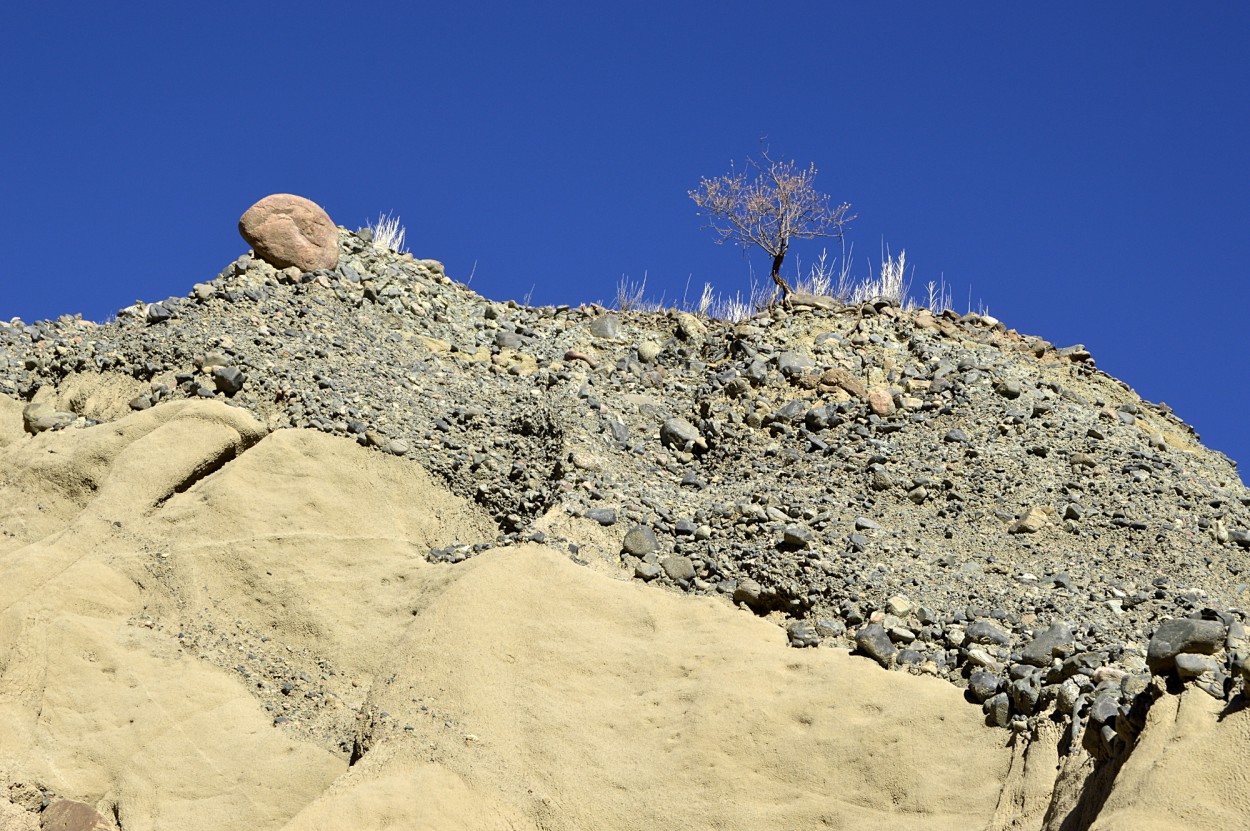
(983, 685)
(1024, 693)
(1204, 637)
(1105, 708)
(603, 516)
(1048, 644)
(797, 536)
(228, 379)
(1189, 665)
(983, 632)
(872, 640)
(640, 541)
(998, 710)
(802, 634)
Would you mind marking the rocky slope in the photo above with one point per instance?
(940, 493)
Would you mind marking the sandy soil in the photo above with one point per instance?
(204, 626)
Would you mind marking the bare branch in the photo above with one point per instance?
(778, 205)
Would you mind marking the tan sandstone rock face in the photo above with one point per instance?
(287, 230)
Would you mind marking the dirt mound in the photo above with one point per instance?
(548, 568)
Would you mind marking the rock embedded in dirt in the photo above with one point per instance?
(640, 541)
(678, 568)
(71, 815)
(873, 641)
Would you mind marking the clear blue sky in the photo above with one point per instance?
(1082, 169)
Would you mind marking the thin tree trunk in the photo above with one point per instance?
(777, 278)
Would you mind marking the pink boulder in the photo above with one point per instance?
(287, 230)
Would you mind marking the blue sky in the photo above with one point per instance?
(1080, 169)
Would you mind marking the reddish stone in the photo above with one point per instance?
(881, 402)
(69, 815)
(287, 230)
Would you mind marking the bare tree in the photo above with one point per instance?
(778, 205)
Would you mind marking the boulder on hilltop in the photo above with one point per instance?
(288, 230)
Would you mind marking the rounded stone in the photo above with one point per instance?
(640, 541)
(288, 230)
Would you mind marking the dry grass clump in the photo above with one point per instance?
(388, 234)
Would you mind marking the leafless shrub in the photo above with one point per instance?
(779, 204)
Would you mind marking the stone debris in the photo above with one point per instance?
(938, 492)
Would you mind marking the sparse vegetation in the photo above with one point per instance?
(778, 205)
(388, 234)
(827, 277)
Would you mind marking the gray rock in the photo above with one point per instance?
(1189, 665)
(828, 628)
(1204, 637)
(983, 632)
(1048, 644)
(793, 364)
(908, 657)
(678, 568)
(749, 592)
(228, 379)
(872, 640)
(1008, 389)
(603, 516)
(158, 313)
(608, 326)
(682, 435)
(797, 536)
(998, 710)
(647, 571)
(983, 685)
(685, 528)
(802, 634)
(509, 340)
(40, 416)
(1105, 709)
(1024, 693)
(640, 541)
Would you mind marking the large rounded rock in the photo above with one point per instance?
(287, 230)
(1174, 637)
